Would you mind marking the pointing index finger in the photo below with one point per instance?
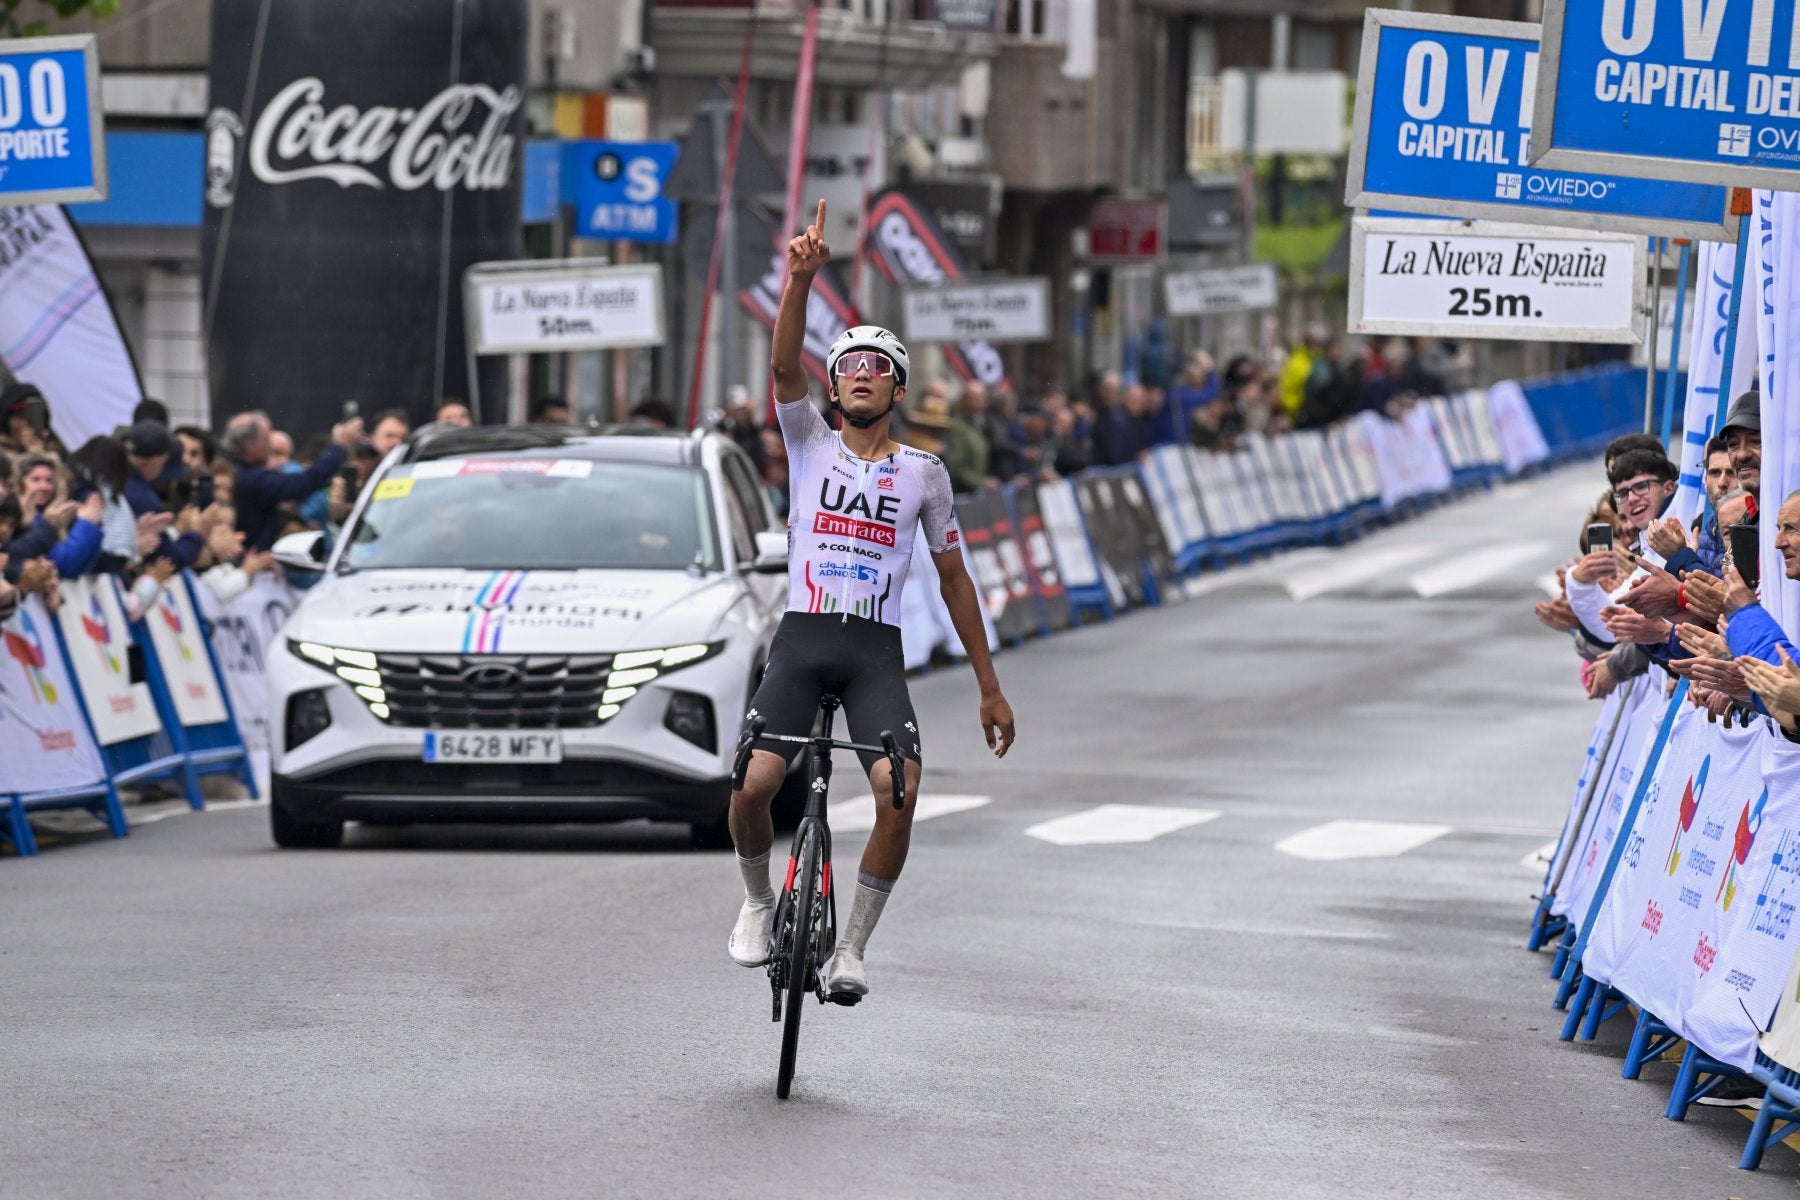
(820, 223)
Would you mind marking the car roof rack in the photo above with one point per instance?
(431, 443)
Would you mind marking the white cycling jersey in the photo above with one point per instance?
(851, 521)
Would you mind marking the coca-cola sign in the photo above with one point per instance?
(457, 138)
(361, 157)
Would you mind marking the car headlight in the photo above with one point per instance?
(633, 669)
(358, 668)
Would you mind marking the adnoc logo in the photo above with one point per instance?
(94, 624)
(26, 647)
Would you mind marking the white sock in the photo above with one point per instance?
(757, 888)
(871, 897)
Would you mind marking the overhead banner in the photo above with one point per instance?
(540, 306)
(1225, 289)
(52, 147)
(909, 250)
(180, 646)
(93, 626)
(57, 330)
(359, 158)
(44, 741)
(1701, 92)
(1443, 122)
(1494, 281)
(994, 310)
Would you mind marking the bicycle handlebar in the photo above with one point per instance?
(888, 749)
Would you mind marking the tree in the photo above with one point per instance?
(37, 23)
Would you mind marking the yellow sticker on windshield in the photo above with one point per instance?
(394, 489)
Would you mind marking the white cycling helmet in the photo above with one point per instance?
(868, 337)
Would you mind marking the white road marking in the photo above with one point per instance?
(1257, 572)
(1114, 823)
(1540, 858)
(856, 814)
(1359, 839)
(1477, 566)
(1355, 566)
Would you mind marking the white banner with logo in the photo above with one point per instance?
(1777, 262)
(1597, 758)
(99, 641)
(1592, 846)
(1685, 880)
(1516, 427)
(1068, 535)
(244, 632)
(45, 744)
(180, 646)
(57, 330)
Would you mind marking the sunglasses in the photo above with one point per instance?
(856, 362)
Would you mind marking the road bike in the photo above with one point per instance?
(804, 928)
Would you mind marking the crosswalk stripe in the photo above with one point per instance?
(1336, 840)
(1114, 823)
(1356, 566)
(1477, 566)
(1538, 859)
(856, 814)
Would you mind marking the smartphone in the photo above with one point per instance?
(1745, 553)
(203, 491)
(352, 480)
(351, 410)
(1599, 537)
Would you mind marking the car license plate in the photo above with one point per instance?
(501, 746)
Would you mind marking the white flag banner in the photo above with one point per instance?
(93, 625)
(1593, 845)
(57, 329)
(243, 633)
(180, 647)
(1777, 262)
(45, 744)
(1706, 357)
(1516, 427)
(1734, 999)
(1666, 915)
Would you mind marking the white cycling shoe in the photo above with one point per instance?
(845, 974)
(749, 945)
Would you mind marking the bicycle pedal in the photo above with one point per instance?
(845, 998)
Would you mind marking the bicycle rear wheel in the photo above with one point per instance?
(800, 965)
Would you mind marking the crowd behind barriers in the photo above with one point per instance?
(1684, 596)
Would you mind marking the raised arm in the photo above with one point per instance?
(806, 254)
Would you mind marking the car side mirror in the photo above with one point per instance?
(771, 554)
(300, 551)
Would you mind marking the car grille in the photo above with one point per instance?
(494, 691)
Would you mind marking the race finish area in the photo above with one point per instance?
(1074, 993)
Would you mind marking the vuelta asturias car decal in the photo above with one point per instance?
(487, 616)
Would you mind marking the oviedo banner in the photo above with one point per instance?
(910, 251)
(371, 165)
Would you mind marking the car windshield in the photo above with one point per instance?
(535, 514)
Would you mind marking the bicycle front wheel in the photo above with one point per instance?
(800, 965)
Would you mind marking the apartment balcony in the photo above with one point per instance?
(706, 38)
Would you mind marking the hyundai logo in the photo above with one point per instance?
(492, 678)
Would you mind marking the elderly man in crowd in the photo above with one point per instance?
(259, 490)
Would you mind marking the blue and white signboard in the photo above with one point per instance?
(51, 145)
(618, 190)
(1702, 90)
(1443, 123)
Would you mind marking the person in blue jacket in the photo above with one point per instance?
(66, 533)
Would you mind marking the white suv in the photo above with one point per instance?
(528, 625)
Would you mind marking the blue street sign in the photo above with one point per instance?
(1443, 119)
(617, 190)
(51, 148)
(1708, 92)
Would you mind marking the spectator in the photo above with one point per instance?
(1197, 387)
(963, 447)
(25, 421)
(66, 533)
(6, 473)
(1742, 433)
(392, 426)
(1721, 476)
(775, 469)
(739, 424)
(454, 412)
(1037, 445)
(1117, 434)
(258, 492)
(198, 449)
(150, 409)
(148, 447)
(977, 412)
(1331, 393)
(927, 424)
(551, 410)
(652, 412)
(1298, 369)
(101, 468)
(281, 452)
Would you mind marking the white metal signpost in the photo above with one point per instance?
(1225, 289)
(552, 306)
(1492, 280)
(991, 310)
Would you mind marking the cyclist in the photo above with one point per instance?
(858, 498)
